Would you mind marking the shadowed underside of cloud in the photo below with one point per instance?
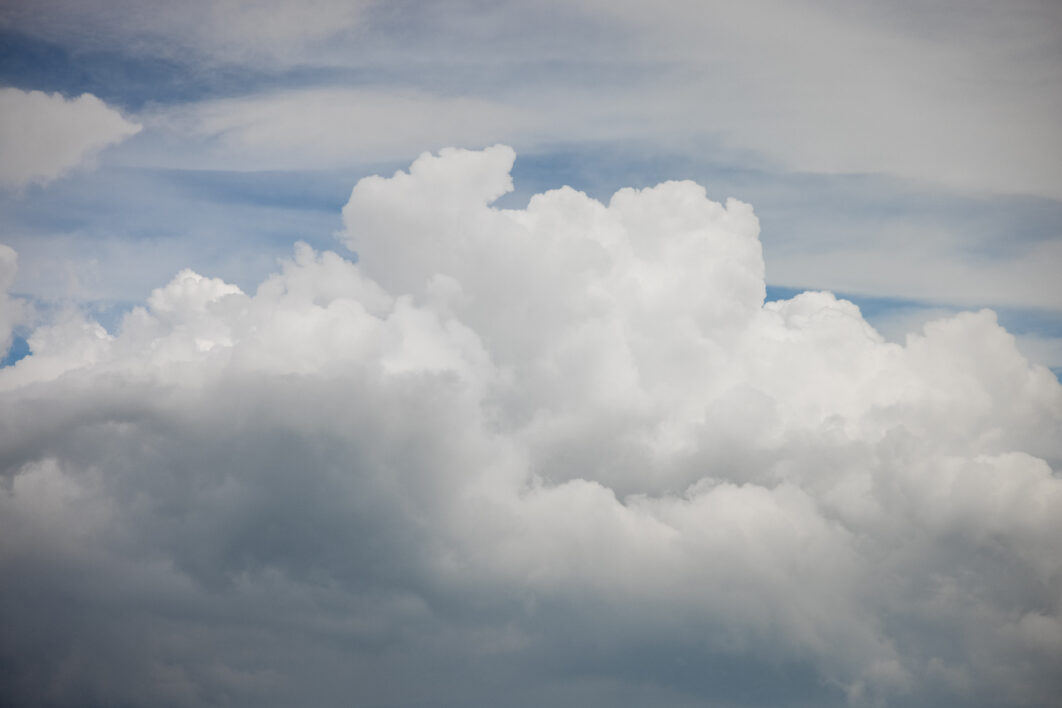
(561, 455)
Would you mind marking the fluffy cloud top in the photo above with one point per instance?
(44, 136)
(559, 455)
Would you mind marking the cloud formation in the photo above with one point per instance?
(559, 455)
(44, 136)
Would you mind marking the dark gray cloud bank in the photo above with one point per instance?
(559, 455)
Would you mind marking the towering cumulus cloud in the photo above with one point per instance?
(561, 455)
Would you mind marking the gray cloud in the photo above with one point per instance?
(45, 136)
(556, 455)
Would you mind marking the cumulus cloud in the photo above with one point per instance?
(560, 455)
(44, 136)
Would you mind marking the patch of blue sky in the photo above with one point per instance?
(18, 350)
(795, 205)
(305, 190)
(376, 53)
(157, 202)
(112, 235)
(132, 82)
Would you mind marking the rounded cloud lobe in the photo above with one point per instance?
(556, 455)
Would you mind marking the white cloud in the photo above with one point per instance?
(896, 323)
(568, 447)
(44, 136)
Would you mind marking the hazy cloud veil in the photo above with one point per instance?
(45, 136)
(560, 455)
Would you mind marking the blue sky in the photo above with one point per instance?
(574, 353)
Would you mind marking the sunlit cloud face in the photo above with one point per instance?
(563, 454)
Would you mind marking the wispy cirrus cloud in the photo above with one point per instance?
(957, 97)
(885, 108)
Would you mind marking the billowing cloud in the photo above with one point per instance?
(44, 136)
(560, 455)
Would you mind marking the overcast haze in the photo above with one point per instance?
(530, 354)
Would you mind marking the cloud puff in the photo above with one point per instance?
(44, 136)
(558, 455)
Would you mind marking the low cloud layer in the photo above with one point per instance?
(44, 136)
(561, 455)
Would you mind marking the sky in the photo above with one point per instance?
(578, 353)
